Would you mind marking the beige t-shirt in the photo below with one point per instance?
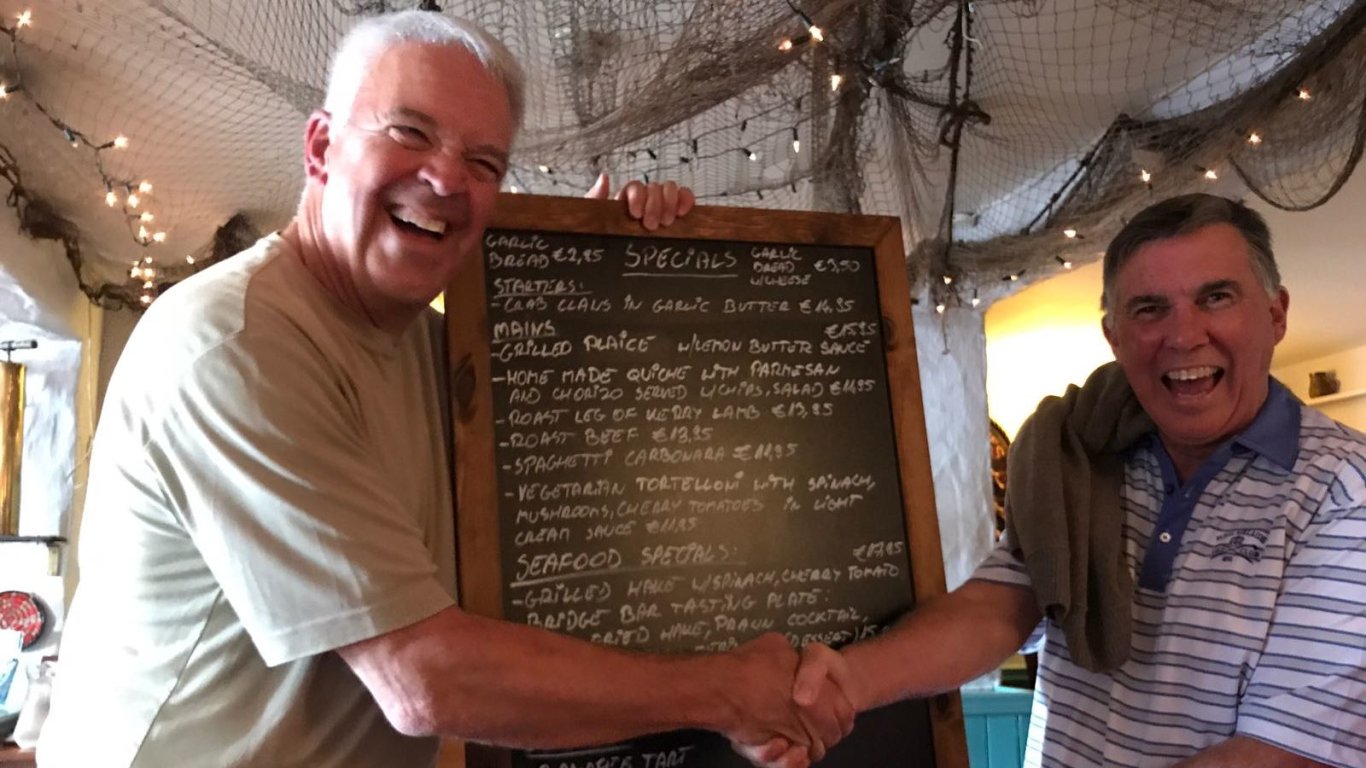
(268, 483)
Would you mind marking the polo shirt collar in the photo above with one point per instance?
(1275, 433)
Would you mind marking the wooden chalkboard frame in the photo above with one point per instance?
(468, 331)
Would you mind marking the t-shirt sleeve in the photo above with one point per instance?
(1308, 692)
(266, 465)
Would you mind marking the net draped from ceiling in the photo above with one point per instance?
(994, 129)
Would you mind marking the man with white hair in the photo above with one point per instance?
(267, 553)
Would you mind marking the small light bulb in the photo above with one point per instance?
(543, 168)
(145, 187)
(785, 45)
(25, 19)
(514, 189)
(796, 146)
(111, 198)
(1254, 138)
(1145, 176)
(940, 307)
(1069, 233)
(189, 259)
(159, 237)
(975, 301)
(1014, 276)
(4, 91)
(948, 280)
(120, 142)
(149, 285)
(143, 234)
(146, 259)
(134, 200)
(146, 215)
(1304, 94)
(145, 299)
(817, 33)
(1066, 264)
(1211, 175)
(835, 81)
(135, 272)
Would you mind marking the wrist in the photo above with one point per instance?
(704, 698)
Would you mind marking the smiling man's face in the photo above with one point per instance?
(1194, 329)
(410, 179)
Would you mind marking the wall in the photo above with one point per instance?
(1039, 341)
(39, 299)
(1349, 405)
(951, 349)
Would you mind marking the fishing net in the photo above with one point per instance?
(1011, 138)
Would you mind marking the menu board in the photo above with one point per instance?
(678, 441)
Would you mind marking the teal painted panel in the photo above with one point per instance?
(996, 723)
(975, 728)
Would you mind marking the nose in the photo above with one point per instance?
(1187, 328)
(445, 172)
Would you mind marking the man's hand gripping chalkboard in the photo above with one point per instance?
(655, 205)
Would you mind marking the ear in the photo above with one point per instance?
(1109, 333)
(1280, 306)
(317, 139)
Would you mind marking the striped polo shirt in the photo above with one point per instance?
(1249, 613)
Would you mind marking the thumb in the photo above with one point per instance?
(602, 188)
(810, 676)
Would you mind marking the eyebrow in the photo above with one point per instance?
(425, 121)
(1220, 285)
(1205, 289)
(409, 114)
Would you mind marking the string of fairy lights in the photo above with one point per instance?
(690, 150)
(129, 196)
(945, 295)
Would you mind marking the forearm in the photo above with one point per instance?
(1244, 752)
(502, 683)
(942, 644)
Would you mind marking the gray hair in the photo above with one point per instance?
(370, 38)
(1183, 215)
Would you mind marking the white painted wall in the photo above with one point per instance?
(39, 299)
(1040, 340)
(951, 349)
(1349, 405)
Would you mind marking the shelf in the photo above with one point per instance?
(54, 549)
(1336, 397)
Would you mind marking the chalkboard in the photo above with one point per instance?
(677, 441)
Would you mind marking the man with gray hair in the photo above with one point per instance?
(267, 555)
(1186, 540)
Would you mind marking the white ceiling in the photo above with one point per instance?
(1320, 252)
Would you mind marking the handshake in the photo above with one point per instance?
(786, 709)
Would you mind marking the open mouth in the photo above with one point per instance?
(1191, 382)
(412, 221)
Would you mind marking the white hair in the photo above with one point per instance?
(370, 38)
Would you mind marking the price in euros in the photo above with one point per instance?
(838, 266)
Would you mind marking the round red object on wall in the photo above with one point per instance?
(21, 611)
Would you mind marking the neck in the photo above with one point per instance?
(305, 236)
(1186, 460)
